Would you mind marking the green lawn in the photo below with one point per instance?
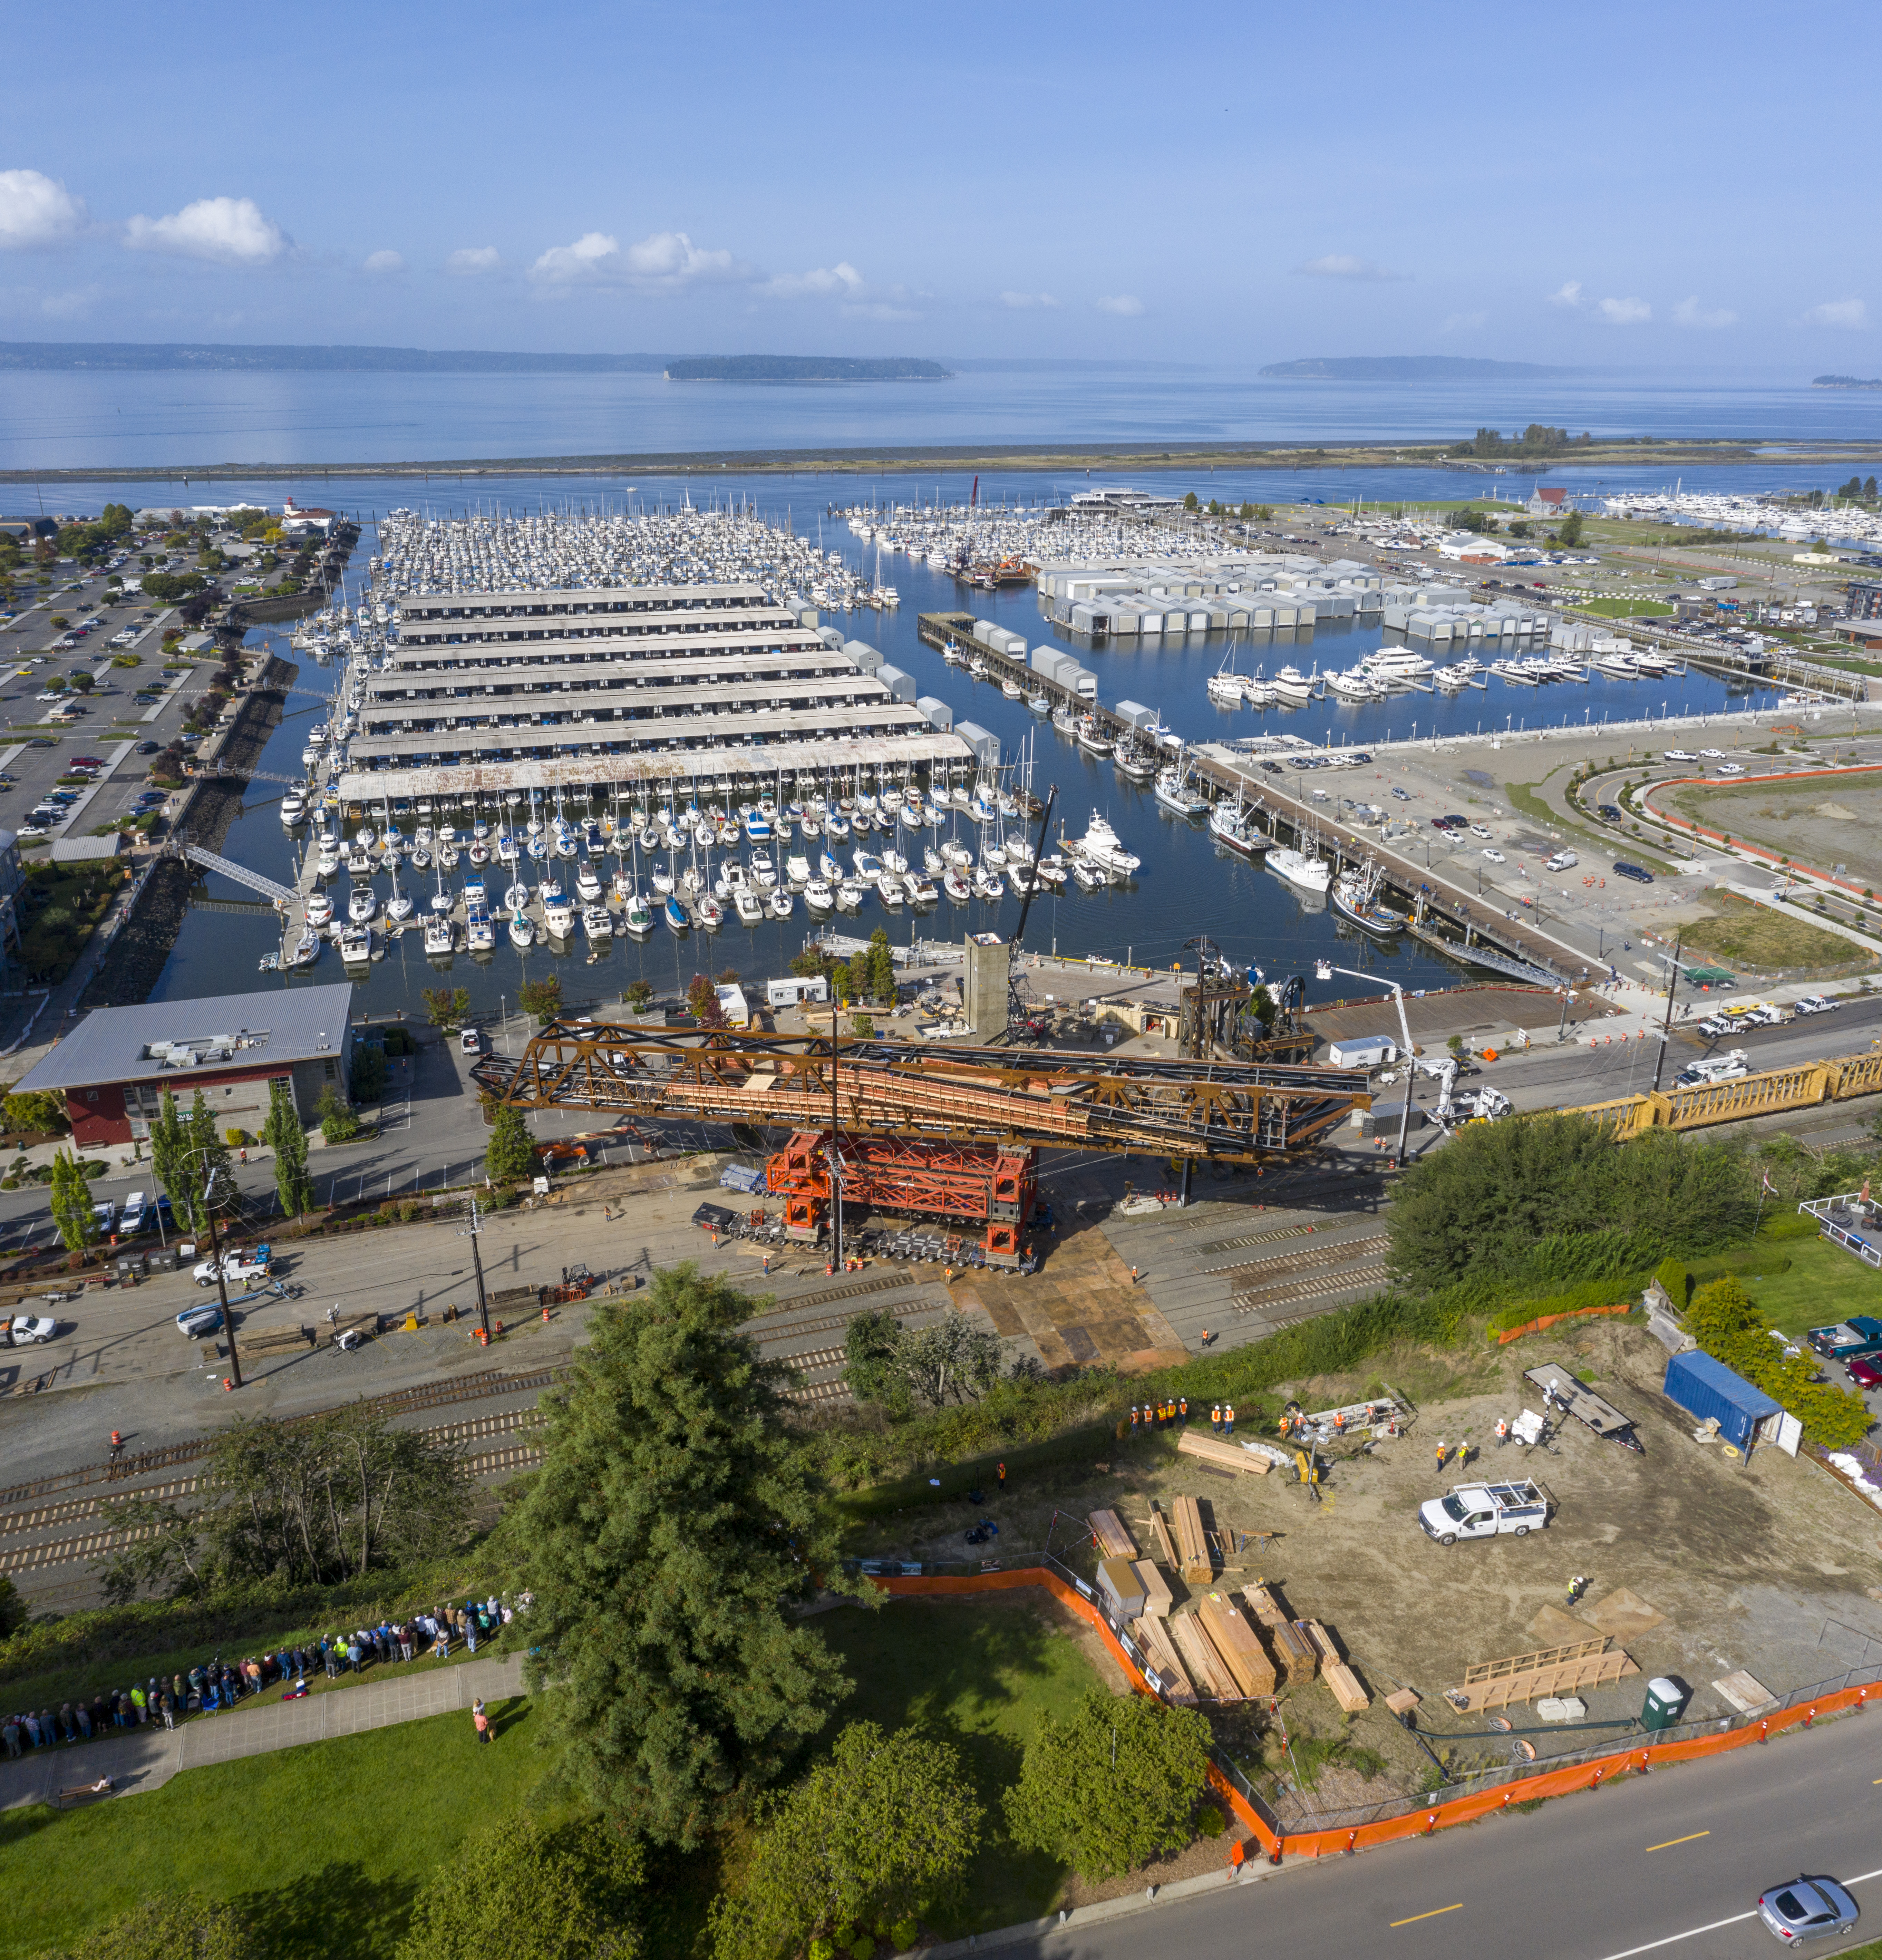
(982, 1674)
(327, 1843)
(1799, 1283)
(1625, 608)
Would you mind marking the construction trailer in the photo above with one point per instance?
(966, 1183)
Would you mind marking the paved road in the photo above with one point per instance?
(1671, 1863)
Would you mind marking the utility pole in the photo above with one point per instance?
(477, 1262)
(221, 1289)
(1666, 1026)
(835, 1165)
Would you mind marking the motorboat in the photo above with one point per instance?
(1171, 793)
(750, 906)
(1295, 687)
(1351, 686)
(1298, 867)
(294, 808)
(362, 904)
(1091, 877)
(819, 897)
(558, 915)
(440, 936)
(587, 884)
(479, 934)
(1103, 846)
(320, 908)
(598, 922)
(764, 872)
(921, 889)
(1040, 704)
(849, 896)
(356, 944)
(797, 868)
(889, 889)
(869, 867)
(781, 903)
(1051, 871)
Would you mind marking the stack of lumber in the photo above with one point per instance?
(1156, 1588)
(1213, 1680)
(1160, 1531)
(1114, 1540)
(1334, 1672)
(1153, 1635)
(1223, 1454)
(1238, 1643)
(1295, 1655)
(1193, 1559)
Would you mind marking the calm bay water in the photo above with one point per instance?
(1187, 885)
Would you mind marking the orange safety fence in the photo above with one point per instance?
(1549, 1319)
(1422, 1820)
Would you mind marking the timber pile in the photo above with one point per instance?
(1153, 1635)
(1213, 1680)
(1193, 1543)
(1211, 1449)
(1338, 1676)
(275, 1338)
(1566, 1676)
(1295, 1655)
(1239, 1645)
(1156, 1588)
(1114, 1540)
(1159, 1530)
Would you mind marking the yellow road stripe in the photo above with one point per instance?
(1671, 1841)
(1436, 1912)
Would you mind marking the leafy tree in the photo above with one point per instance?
(1725, 1321)
(1192, 502)
(673, 1527)
(883, 1831)
(639, 995)
(511, 1149)
(169, 1154)
(310, 1502)
(12, 1607)
(1111, 1786)
(862, 1026)
(543, 998)
(703, 1003)
(888, 1364)
(1570, 533)
(338, 1123)
(283, 1134)
(72, 1201)
(81, 678)
(525, 1890)
(172, 1926)
(367, 1075)
(207, 1153)
(881, 967)
(39, 1111)
(446, 1008)
(872, 1364)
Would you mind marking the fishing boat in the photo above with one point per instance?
(1230, 824)
(1133, 761)
(1311, 874)
(1355, 895)
(1092, 738)
(1171, 793)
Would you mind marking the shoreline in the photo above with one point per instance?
(1175, 456)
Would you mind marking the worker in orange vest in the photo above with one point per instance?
(1228, 1418)
(1215, 1418)
(1182, 1411)
(1133, 1418)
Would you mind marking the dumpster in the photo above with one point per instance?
(1665, 1702)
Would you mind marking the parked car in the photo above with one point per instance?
(27, 1330)
(1815, 1003)
(1863, 1371)
(1624, 870)
(1494, 855)
(106, 1212)
(1729, 769)
(1485, 1510)
(470, 1041)
(1808, 1909)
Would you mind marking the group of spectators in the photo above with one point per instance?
(216, 1685)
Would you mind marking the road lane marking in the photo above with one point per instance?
(1435, 1912)
(1671, 1841)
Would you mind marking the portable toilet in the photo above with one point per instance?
(1665, 1702)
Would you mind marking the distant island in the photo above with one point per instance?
(1408, 367)
(1843, 381)
(213, 355)
(801, 367)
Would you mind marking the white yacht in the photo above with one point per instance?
(1102, 846)
(320, 909)
(441, 936)
(1351, 686)
(598, 922)
(362, 904)
(1295, 688)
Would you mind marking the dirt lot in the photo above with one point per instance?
(1823, 821)
(1771, 1567)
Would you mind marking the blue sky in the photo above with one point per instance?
(1664, 185)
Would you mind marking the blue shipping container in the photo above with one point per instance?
(1707, 1388)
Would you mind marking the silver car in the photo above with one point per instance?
(1808, 1909)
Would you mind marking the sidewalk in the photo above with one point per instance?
(147, 1758)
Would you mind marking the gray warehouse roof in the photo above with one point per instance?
(234, 1030)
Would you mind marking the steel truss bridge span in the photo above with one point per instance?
(1235, 1112)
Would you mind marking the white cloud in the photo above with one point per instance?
(1463, 323)
(842, 278)
(1616, 313)
(36, 210)
(880, 309)
(1344, 266)
(384, 262)
(1690, 312)
(1839, 312)
(1023, 300)
(1123, 304)
(663, 262)
(468, 261)
(231, 231)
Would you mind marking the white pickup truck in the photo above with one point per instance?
(1484, 1510)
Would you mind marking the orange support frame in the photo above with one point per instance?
(1419, 1822)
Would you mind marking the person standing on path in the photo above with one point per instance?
(480, 1719)
(1001, 1474)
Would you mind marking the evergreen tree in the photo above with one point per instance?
(207, 1154)
(283, 1134)
(673, 1526)
(169, 1153)
(72, 1214)
(881, 967)
(511, 1148)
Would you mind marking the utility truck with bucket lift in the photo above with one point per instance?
(1485, 1510)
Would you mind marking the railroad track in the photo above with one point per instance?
(1330, 1254)
(832, 1323)
(435, 1395)
(1256, 1302)
(819, 1358)
(1255, 1238)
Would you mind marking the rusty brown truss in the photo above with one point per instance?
(1235, 1111)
